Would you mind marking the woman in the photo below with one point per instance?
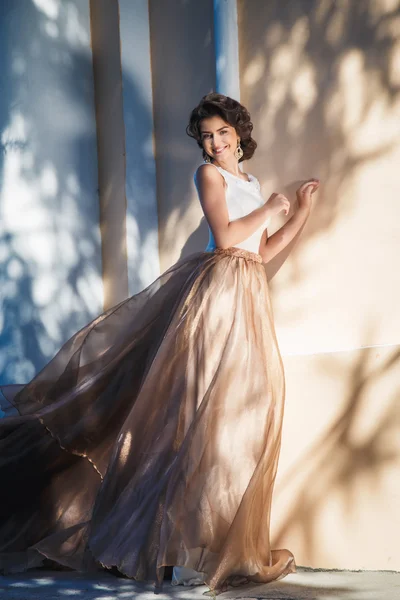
(152, 438)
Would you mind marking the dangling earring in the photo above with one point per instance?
(207, 159)
(238, 152)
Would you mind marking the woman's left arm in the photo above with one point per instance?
(275, 249)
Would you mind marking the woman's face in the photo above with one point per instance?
(218, 138)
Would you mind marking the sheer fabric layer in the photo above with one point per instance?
(152, 438)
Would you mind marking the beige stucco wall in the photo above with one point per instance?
(322, 82)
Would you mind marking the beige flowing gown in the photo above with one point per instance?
(152, 437)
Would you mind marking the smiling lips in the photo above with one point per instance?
(219, 151)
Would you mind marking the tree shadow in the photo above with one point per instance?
(103, 585)
(51, 268)
(49, 237)
(315, 75)
(338, 462)
(320, 80)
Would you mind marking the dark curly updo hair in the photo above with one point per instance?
(232, 112)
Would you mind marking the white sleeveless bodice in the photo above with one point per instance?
(242, 197)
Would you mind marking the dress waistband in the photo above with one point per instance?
(240, 252)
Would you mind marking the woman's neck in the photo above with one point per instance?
(232, 168)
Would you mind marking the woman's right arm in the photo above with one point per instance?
(211, 189)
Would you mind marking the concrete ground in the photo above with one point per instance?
(304, 585)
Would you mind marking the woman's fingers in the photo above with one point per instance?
(278, 203)
(309, 184)
(285, 204)
(307, 188)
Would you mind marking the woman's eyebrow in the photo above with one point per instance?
(217, 130)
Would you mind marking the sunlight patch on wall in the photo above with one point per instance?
(132, 237)
(51, 29)
(76, 34)
(380, 8)
(50, 8)
(255, 70)
(304, 94)
(148, 271)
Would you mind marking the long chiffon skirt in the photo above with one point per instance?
(152, 438)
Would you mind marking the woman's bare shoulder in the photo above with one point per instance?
(208, 174)
(206, 170)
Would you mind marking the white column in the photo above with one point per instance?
(226, 48)
(141, 197)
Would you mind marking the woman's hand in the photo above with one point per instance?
(304, 193)
(277, 203)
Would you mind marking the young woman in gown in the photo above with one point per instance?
(152, 437)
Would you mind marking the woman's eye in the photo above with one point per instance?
(206, 136)
(225, 131)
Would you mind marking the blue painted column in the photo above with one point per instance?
(226, 48)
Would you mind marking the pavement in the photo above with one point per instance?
(306, 584)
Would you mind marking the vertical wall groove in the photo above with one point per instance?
(104, 19)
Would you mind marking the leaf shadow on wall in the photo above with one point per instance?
(49, 236)
(321, 82)
(349, 460)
